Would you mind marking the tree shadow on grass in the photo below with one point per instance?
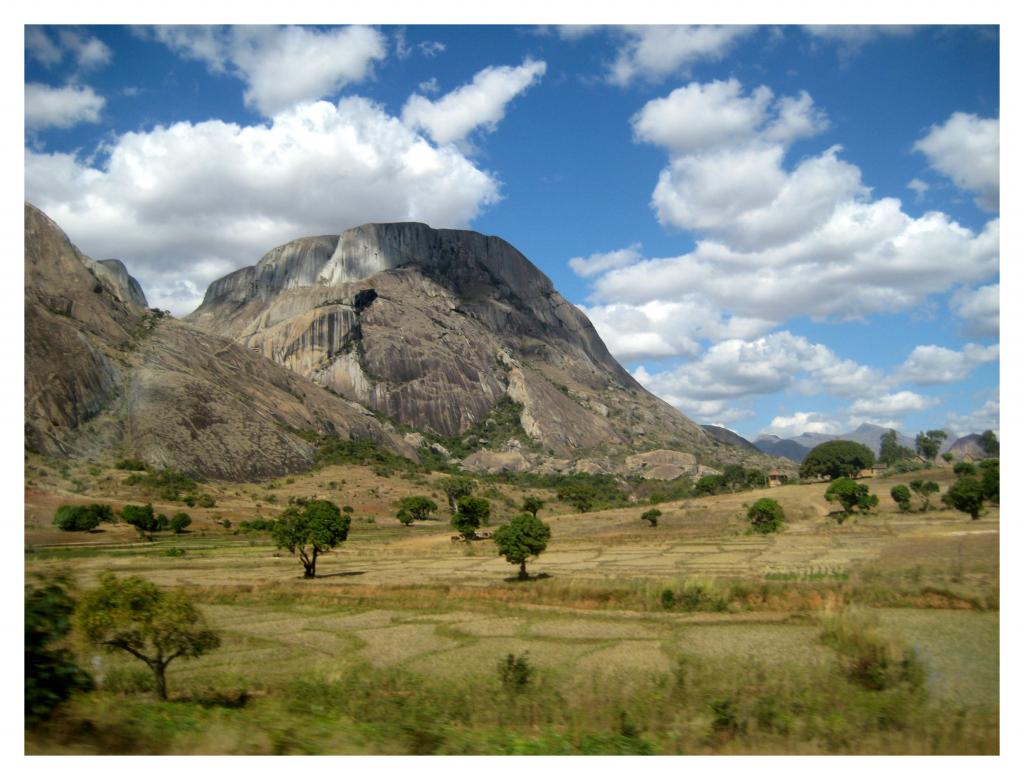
(338, 574)
(530, 578)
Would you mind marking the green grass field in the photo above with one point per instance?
(395, 646)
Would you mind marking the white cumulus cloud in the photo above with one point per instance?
(929, 364)
(652, 53)
(984, 418)
(47, 106)
(800, 422)
(87, 51)
(281, 66)
(979, 309)
(890, 405)
(479, 104)
(184, 204)
(966, 149)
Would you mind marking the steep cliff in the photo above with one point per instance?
(104, 375)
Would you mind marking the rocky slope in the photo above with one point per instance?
(105, 376)
(433, 328)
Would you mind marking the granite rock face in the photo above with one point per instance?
(433, 328)
(104, 375)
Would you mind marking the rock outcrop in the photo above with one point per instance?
(433, 328)
(105, 375)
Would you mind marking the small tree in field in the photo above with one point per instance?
(455, 488)
(310, 530)
(990, 479)
(766, 516)
(416, 508)
(924, 489)
(964, 469)
(901, 495)
(533, 505)
(76, 517)
(180, 521)
(965, 495)
(524, 536)
(989, 443)
(404, 517)
(651, 516)
(851, 495)
(836, 459)
(949, 457)
(928, 443)
(135, 616)
(470, 514)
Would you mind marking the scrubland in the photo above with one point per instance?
(877, 635)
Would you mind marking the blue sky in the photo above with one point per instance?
(777, 229)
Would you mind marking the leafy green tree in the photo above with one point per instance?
(965, 495)
(948, 457)
(928, 443)
(851, 495)
(455, 488)
(180, 521)
(710, 485)
(404, 517)
(51, 674)
(524, 536)
(533, 505)
(989, 443)
(734, 476)
(891, 451)
(416, 507)
(838, 458)
(990, 479)
(154, 625)
(924, 490)
(141, 517)
(78, 517)
(964, 469)
(310, 530)
(651, 516)
(901, 495)
(470, 514)
(766, 515)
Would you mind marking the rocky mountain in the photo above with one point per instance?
(782, 448)
(969, 445)
(726, 436)
(106, 376)
(434, 328)
(797, 447)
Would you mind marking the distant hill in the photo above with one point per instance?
(797, 447)
(726, 436)
(782, 448)
(968, 445)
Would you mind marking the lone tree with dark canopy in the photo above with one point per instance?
(901, 495)
(533, 505)
(651, 516)
(309, 530)
(522, 537)
(924, 489)
(135, 616)
(928, 443)
(766, 515)
(965, 495)
(891, 451)
(471, 513)
(838, 458)
(416, 507)
(851, 495)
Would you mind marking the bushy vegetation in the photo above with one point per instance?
(131, 464)
(51, 672)
(870, 659)
(500, 425)
(525, 536)
(990, 479)
(891, 451)
(929, 443)
(415, 508)
(835, 459)
(901, 495)
(310, 530)
(471, 512)
(78, 517)
(164, 483)
(924, 489)
(454, 488)
(136, 617)
(651, 516)
(766, 515)
(965, 495)
(851, 495)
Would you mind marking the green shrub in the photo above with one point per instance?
(131, 464)
(470, 514)
(965, 495)
(77, 517)
(206, 501)
(964, 469)
(851, 495)
(901, 495)
(870, 659)
(515, 672)
(651, 516)
(766, 516)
